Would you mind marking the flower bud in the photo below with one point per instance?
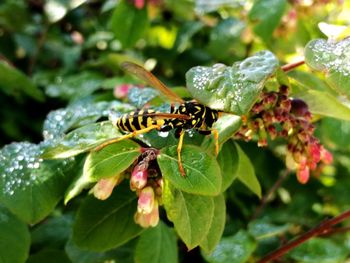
(272, 131)
(286, 105)
(146, 200)
(299, 107)
(283, 90)
(138, 179)
(267, 117)
(326, 156)
(147, 220)
(258, 107)
(270, 98)
(303, 174)
(104, 187)
(139, 4)
(121, 91)
(314, 150)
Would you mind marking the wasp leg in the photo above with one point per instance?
(126, 136)
(216, 138)
(179, 147)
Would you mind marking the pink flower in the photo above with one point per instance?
(147, 220)
(121, 91)
(139, 4)
(104, 187)
(314, 150)
(146, 200)
(326, 156)
(138, 179)
(303, 175)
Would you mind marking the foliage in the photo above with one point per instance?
(64, 197)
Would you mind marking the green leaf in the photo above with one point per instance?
(333, 59)
(232, 89)
(54, 255)
(216, 229)
(267, 15)
(202, 171)
(330, 131)
(309, 80)
(203, 6)
(226, 36)
(81, 140)
(246, 173)
(81, 181)
(102, 225)
(14, 15)
(29, 186)
(111, 160)
(54, 233)
(14, 81)
(81, 113)
(191, 214)
(122, 254)
(260, 229)
(234, 249)
(15, 238)
(139, 97)
(316, 101)
(74, 86)
(128, 23)
(228, 160)
(186, 32)
(157, 244)
(319, 250)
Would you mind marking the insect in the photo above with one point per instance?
(187, 115)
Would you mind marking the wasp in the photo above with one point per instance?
(186, 116)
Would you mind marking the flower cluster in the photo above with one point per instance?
(147, 184)
(148, 187)
(278, 116)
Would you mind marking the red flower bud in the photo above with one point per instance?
(326, 156)
(270, 98)
(272, 131)
(139, 4)
(121, 91)
(314, 150)
(258, 107)
(138, 179)
(303, 174)
(283, 90)
(299, 107)
(286, 105)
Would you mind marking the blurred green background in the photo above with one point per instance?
(59, 53)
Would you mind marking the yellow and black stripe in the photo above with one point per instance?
(138, 120)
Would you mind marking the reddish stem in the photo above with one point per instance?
(290, 66)
(320, 229)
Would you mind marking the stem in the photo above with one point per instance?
(268, 195)
(290, 66)
(332, 231)
(320, 229)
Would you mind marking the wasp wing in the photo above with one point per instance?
(150, 79)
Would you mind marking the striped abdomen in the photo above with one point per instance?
(137, 120)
